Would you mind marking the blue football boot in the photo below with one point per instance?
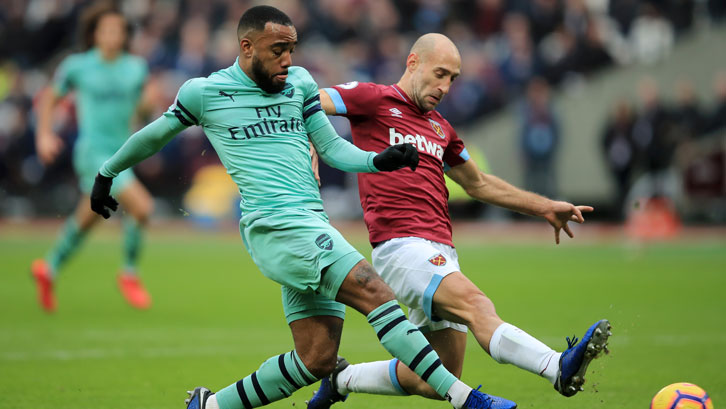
(327, 394)
(480, 400)
(574, 361)
(198, 397)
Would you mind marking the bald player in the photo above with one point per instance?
(410, 230)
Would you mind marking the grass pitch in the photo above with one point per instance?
(215, 318)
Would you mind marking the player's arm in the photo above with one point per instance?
(146, 142)
(491, 189)
(47, 143)
(343, 155)
(327, 103)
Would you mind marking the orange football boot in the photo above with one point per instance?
(44, 282)
(133, 291)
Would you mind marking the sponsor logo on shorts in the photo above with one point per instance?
(324, 241)
(438, 260)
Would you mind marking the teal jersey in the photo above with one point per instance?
(107, 95)
(261, 138)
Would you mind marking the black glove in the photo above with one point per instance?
(101, 196)
(395, 157)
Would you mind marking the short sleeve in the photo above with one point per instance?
(65, 77)
(455, 152)
(187, 107)
(354, 98)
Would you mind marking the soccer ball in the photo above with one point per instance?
(681, 395)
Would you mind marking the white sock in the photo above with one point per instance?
(511, 345)
(457, 394)
(370, 377)
(211, 403)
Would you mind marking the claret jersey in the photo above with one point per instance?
(404, 203)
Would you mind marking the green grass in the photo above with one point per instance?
(216, 318)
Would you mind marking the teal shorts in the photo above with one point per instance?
(301, 251)
(87, 162)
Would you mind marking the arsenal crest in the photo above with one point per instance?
(324, 241)
(438, 260)
(437, 128)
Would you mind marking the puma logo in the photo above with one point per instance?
(411, 331)
(224, 94)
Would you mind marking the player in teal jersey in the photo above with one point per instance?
(260, 114)
(108, 84)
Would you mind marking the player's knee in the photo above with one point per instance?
(477, 306)
(371, 286)
(146, 208)
(320, 363)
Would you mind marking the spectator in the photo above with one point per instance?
(717, 119)
(519, 61)
(687, 114)
(655, 145)
(539, 135)
(651, 36)
(619, 150)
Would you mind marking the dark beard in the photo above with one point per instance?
(263, 78)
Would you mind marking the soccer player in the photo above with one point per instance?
(258, 115)
(407, 217)
(108, 84)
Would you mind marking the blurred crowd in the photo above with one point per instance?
(510, 48)
(658, 148)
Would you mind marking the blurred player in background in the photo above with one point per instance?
(410, 229)
(108, 83)
(258, 114)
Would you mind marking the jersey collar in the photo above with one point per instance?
(405, 97)
(241, 76)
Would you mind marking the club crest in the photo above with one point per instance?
(437, 128)
(324, 242)
(288, 91)
(438, 260)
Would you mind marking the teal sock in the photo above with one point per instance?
(68, 241)
(277, 378)
(404, 341)
(133, 237)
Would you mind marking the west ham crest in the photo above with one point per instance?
(438, 260)
(437, 128)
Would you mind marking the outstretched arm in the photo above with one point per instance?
(144, 143)
(491, 189)
(138, 147)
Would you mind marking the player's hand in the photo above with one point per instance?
(48, 145)
(315, 162)
(101, 196)
(562, 212)
(396, 157)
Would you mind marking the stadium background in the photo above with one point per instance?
(661, 287)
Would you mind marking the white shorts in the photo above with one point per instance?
(414, 267)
